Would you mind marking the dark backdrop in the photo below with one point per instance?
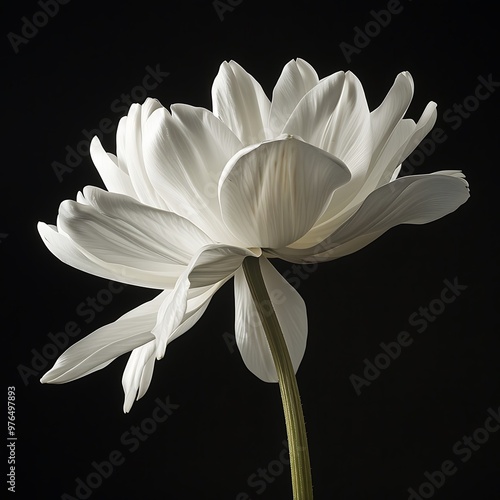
(224, 440)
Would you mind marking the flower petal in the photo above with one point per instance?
(139, 369)
(415, 199)
(132, 131)
(120, 231)
(209, 269)
(272, 194)
(239, 101)
(310, 117)
(405, 137)
(251, 339)
(424, 126)
(104, 345)
(348, 136)
(390, 156)
(66, 250)
(385, 118)
(184, 155)
(138, 373)
(297, 78)
(114, 179)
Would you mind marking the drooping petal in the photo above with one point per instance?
(251, 339)
(139, 370)
(184, 156)
(197, 303)
(239, 101)
(209, 269)
(415, 199)
(104, 345)
(272, 194)
(297, 78)
(138, 373)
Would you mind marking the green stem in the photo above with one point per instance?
(294, 418)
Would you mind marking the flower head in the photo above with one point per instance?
(308, 176)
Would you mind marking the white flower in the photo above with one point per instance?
(307, 177)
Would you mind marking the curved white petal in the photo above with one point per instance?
(239, 101)
(104, 345)
(132, 131)
(424, 126)
(415, 199)
(347, 134)
(121, 151)
(297, 78)
(67, 251)
(395, 174)
(197, 303)
(184, 154)
(386, 117)
(310, 117)
(272, 194)
(114, 179)
(119, 230)
(251, 339)
(209, 269)
(390, 156)
(404, 138)
(139, 370)
(138, 373)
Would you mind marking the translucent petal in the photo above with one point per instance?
(251, 339)
(273, 193)
(239, 101)
(104, 345)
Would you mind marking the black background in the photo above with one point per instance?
(229, 424)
